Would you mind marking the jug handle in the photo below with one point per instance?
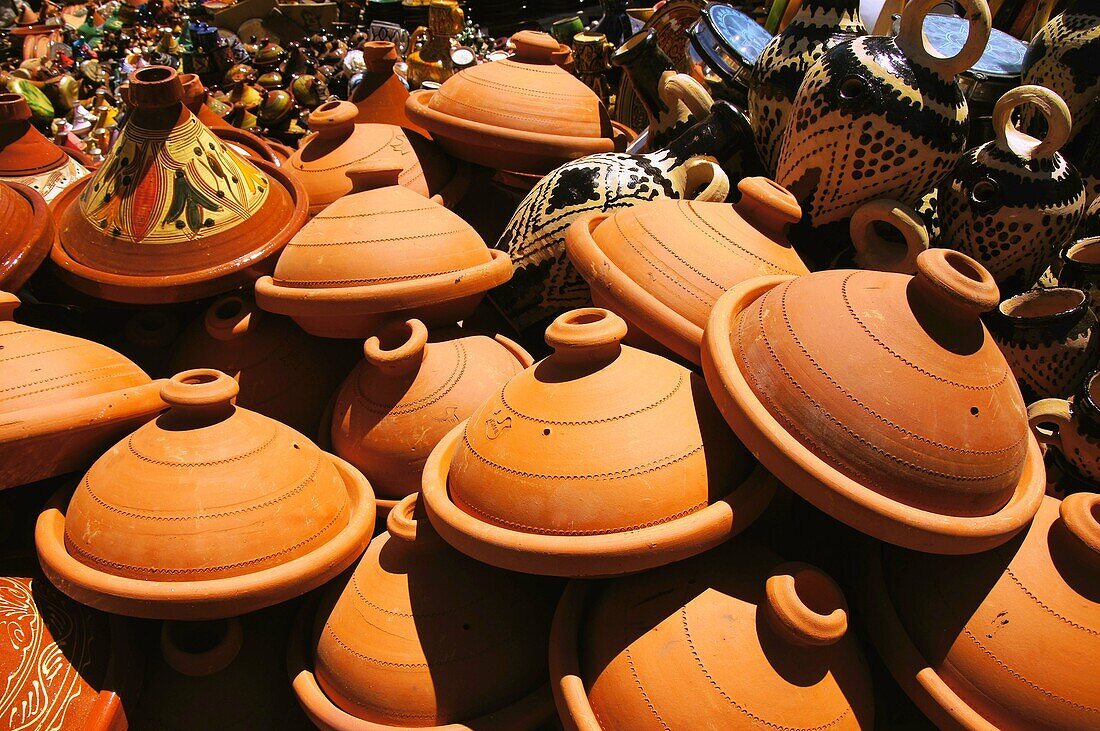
(1047, 418)
(1041, 17)
(707, 177)
(875, 252)
(1052, 107)
(688, 91)
(912, 43)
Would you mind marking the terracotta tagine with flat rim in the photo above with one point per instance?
(27, 157)
(173, 214)
(732, 639)
(388, 253)
(521, 113)
(208, 512)
(64, 400)
(599, 460)
(1006, 639)
(423, 637)
(924, 444)
(339, 143)
(380, 96)
(408, 392)
(26, 234)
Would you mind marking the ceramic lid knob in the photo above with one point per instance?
(535, 47)
(220, 641)
(805, 605)
(399, 349)
(14, 108)
(589, 335)
(154, 87)
(955, 285)
(333, 119)
(200, 395)
(380, 56)
(1080, 513)
(767, 205)
(231, 317)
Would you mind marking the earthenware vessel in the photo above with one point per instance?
(962, 634)
(592, 62)
(878, 117)
(599, 460)
(1078, 266)
(208, 512)
(522, 113)
(470, 640)
(281, 371)
(27, 157)
(410, 390)
(26, 233)
(1013, 203)
(380, 96)
(958, 474)
(732, 639)
(1072, 426)
(1046, 337)
(817, 26)
(431, 61)
(66, 399)
(173, 214)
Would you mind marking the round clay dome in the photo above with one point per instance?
(26, 234)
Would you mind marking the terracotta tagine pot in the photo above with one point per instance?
(1005, 639)
(1013, 203)
(339, 144)
(281, 371)
(26, 234)
(380, 96)
(599, 460)
(469, 640)
(65, 400)
(879, 117)
(208, 512)
(27, 157)
(389, 253)
(1046, 336)
(732, 639)
(173, 214)
(521, 113)
(925, 444)
(1072, 426)
(410, 390)
(65, 666)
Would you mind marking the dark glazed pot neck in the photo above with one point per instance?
(722, 135)
(1086, 405)
(644, 62)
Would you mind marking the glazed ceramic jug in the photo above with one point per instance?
(878, 117)
(432, 60)
(27, 157)
(26, 233)
(1072, 426)
(1078, 266)
(816, 27)
(592, 62)
(1013, 203)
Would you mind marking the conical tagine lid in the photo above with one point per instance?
(173, 214)
(27, 157)
(882, 399)
(209, 511)
(599, 460)
(26, 234)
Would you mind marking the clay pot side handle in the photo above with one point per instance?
(587, 335)
(805, 606)
(682, 88)
(1081, 514)
(231, 317)
(767, 205)
(1054, 110)
(407, 522)
(873, 251)
(1047, 418)
(910, 38)
(198, 649)
(705, 180)
(454, 189)
(958, 287)
(399, 348)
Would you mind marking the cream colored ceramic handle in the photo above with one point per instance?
(1047, 418)
(912, 43)
(805, 606)
(707, 177)
(875, 252)
(682, 88)
(1041, 17)
(1053, 109)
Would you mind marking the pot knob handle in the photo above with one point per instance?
(230, 317)
(154, 87)
(955, 284)
(333, 118)
(8, 304)
(534, 46)
(805, 606)
(912, 42)
(200, 396)
(587, 335)
(767, 205)
(398, 348)
(1080, 513)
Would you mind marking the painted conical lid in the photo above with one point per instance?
(27, 157)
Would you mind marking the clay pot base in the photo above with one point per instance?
(599, 555)
(826, 487)
(210, 599)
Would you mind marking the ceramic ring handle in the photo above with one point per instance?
(805, 606)
(707, 179)
(911, 40)
(184, 645)
(686, 90)
(333, 118)
(1047, 418)
(590, 334)
(399, 348)
(1081, 514)
(955, 284)
(873, 251)
(230, 317)
(199, 388)
(1054, 110)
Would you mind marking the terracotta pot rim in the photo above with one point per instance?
(604, 554)
(185, 287)
(1006, 309)
(253, 143)
(826, 487)
(36, 239)
(210, 598)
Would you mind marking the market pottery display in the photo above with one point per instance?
(422, 636)
(341, 144)
(410, 390)
(432, 61)
(1046, 337)
(521, 113)
(194, 98)
(173, 214)
(1005, 639)
(380, 96)
(817, 26)
(1013, 203)
(26, 233)
(281, 371)
(1072, 426)
(27, 157)
(1078, 266)
(599, 460)
(208, 512)
(878, 117)
(732, 639)
(65, 400)
(959, 473)
(389, 253)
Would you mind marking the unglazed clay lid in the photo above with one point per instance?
(470, 640)
(64, 399)
(881, 399)
(959, 633)
(26, 234)
(209, 511)
(663, 264)
(521, 113)
(732, 639)
(599, 460)
(174, 213)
